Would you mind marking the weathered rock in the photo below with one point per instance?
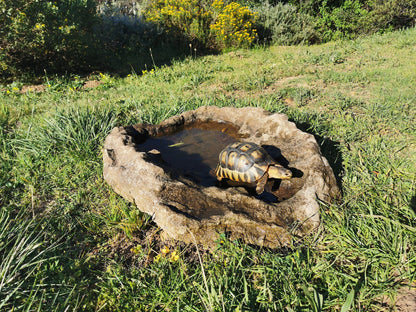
(191, 212)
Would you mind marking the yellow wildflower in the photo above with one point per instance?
(165, 250)
(174, 256)
(136, 250)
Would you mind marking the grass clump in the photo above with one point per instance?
(25, 257)
(76, 131)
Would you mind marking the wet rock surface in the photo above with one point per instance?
(166, 170)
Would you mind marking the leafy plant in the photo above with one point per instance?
(351, 18)
(283, 24)
(345, 21)
(391, 15)
(44, 35)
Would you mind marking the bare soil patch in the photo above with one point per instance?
(90, 84)
(33, 88)
(406, 300)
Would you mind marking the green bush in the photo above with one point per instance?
(337, 19)
(45, 35)
(119, 40)
(282, 24)
(391, 15)
(345, 21)
(312, 7)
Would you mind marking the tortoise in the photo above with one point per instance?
(249, 163)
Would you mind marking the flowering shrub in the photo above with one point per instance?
(208, 22)
(234, 24)
(183, 18)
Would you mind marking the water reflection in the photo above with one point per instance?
(194, 152)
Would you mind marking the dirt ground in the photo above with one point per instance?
(89, 84)
(406, 300)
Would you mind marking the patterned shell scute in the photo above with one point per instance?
(244, 162)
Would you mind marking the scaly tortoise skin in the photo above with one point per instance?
(249, 163)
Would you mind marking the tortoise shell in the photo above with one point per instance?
(243, 162)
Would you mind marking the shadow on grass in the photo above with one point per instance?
(413, 203)
(125, 44)
(115, 44)
(124, 62)
(330, 150)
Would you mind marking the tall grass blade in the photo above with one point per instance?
(348, 302)
(21, 252)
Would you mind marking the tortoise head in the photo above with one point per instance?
(279, 172)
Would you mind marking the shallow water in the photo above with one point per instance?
(193, 151)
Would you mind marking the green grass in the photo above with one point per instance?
(68, 242)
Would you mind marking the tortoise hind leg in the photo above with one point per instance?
(261, 183)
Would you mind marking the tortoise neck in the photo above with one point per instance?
(279, 172)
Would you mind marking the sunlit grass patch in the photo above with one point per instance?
(78, 131)
(26, 255)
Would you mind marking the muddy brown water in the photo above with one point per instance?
(194, 150)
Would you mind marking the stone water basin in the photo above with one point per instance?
(166, 170)
(192, 152)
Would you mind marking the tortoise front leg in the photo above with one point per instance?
(261, 183)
